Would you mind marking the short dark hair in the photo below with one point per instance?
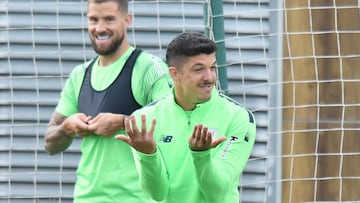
(188, 44)
(123, 4)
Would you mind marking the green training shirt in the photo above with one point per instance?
(106, 171)
(175, 174)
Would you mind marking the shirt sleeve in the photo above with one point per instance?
(155, 81)
(68, 102)
(163, 83)
(218, 171)
(153, 175)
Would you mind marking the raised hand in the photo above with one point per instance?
(143, 141)
(201, 139)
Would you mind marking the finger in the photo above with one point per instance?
(80, 126)
(208, 138)
(204, 135)
(134, 127)
(195, 135)
(88, 118)
(128, 129)
(123, 138)
(143, 125)
(94, 120)
(199, 132)
(152, 128)
(216, 142)
(91, 126)
(84, 118)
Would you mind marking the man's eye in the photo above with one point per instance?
(109, 19)
(92, 20)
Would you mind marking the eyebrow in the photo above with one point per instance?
(201, 64)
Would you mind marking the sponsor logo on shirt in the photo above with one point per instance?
(166, 138)
(213, 132)
(228, 145)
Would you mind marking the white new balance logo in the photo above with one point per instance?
(166, 138)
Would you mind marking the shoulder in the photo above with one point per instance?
(79, 70)
(238, 110)
(149, 56)
(149, 59)
(155, 106)
(150, 65)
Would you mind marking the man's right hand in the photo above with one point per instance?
(61, 131)
(141, 140)
(77, 124)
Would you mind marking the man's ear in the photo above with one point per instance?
(173, 72)
(128, 20)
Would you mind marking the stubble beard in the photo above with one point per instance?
(109, 50)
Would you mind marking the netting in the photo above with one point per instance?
(321, 108)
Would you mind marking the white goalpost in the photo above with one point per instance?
(293, 63)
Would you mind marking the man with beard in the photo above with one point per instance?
(192, 145)
(95, 100)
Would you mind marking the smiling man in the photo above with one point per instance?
(96, 98)
(192, 145)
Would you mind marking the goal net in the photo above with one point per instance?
(320, 104)
(293, 63)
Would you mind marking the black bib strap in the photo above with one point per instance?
(117, 98)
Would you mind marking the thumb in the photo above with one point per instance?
(84, 117)
(123, 138)
(219, 140)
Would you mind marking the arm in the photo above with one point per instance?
(61, 131)
(153, 174)
(148, 159)
(155, 81)
(216, 173)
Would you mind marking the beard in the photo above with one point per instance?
(108, 50)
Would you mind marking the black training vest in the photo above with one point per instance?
(117, 98)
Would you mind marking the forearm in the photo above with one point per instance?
(153, 175)
(212, 179)
(57, 140)
(218, 173)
